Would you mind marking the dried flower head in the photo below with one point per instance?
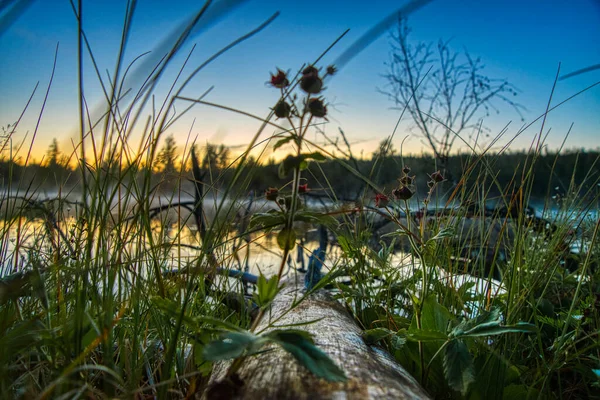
(272, 194)
(437, 177)
(310, 70)
(317, 107)
(402, 193)
(311, 84)
(381, 200)
(282, 109)
(310, 81)
(331, 70)
(279, 80)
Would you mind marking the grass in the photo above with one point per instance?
(100, 299)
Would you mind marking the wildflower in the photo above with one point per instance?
(317, 108)
(282, 109)
(437, 177)
(272, 194)
(310, 81)
(403, 193)
(303, 188)
(381, 200)
(280, 80)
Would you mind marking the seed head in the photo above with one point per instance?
(282, 109)
(331, 70)
(437, 177)
(279, 80)
(310, 70)
(311, 84)
(310, 81)
(317, 108)
(403, 193)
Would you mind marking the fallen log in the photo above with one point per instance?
(371, 372)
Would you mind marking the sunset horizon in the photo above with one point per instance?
(355, 104)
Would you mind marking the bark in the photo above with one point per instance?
(371, 372)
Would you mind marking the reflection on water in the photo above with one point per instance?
(179, 245)
(173, 241)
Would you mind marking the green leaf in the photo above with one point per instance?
(269, 219)
(281, 142)
(425, 335)
(300, 345)
(397, 341)
(267, 290)
(397, 232)
(444, 233)
(373, 336)
(458, 330)
(232, 345)
(317, 156)
(434, 316)
(494, 328)
(486, 316)
(218, 322)
(203, 366)
(458, 366)
(286, 239)
(324, 281)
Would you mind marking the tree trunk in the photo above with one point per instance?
(371, 372)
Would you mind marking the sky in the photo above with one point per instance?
(522, 41)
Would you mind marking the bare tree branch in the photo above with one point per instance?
(445, 92)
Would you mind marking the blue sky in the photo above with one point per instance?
(522, 41)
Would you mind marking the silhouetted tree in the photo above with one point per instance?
(167, 156)
(57, 164)
(444, 92)
(215, 158)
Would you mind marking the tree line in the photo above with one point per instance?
(555, 174)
